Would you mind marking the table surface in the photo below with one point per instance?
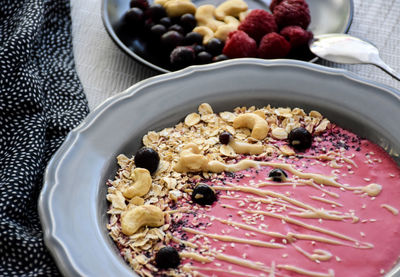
(105, 70)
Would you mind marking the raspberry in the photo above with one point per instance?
(240, 45)
(273, 46)
(258, 23)
(296, 36)
(292, 12)
(275, 3)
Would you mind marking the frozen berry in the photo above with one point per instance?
(133, 17)
(141, 4)
(156, 11)
(278, 175)
(203, 195)
(275, 3)
(258, 23)
(203, 57)
(225, 137)
(296, 36)
(273, 46)
(166, 21)
(300, 138)
(214, 46)
(147, 158)
(240, 45)
(198, 48)
(182, 56)
(188, 22)
(157, 31)
(193, 38)
(167, 257)
(177, 28)
(219, 58)
(292, 13)
(171, 39)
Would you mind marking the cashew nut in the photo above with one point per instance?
(258, 125)
(175, 8)
(230, 7)
(223, 31)
(243, 15)
(205, 17)
(146, 215)
(206, 32)
(141, 183)
(246, 148)
(190, 160)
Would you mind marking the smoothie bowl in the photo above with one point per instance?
(314, 195)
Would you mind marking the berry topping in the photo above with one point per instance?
(171, 39)
(240, 45)
(141, 4)
(166, 21)
(219, 58)
(133, 16)
(258, 23)
(176, 27)
(292, 12)
(188, 21)
(198, 48)
(273, 46)
(167, 257)
(204, 57)
(193, 38)
(278, 175)
(225, 137)
(300, 138)
(275, 3)
(203, 195)
(296, 36)
(182, 56)
(157, 30)
(156, 11)
(147, 158)
(214, 46)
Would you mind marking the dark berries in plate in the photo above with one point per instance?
(225, 137)
(278, 175)
(219, 58)
(133, 17)
(147, 158)
(193, 38)
(214, 46)
(188, 22)
(166, 21)
(176, 27)
(158, 30)
(167, 257)
(198, 48)
(182, 56)
(203, 195)
(156, 11)
(204, 57)
(300, 138)
(171, 39)
(141, 4)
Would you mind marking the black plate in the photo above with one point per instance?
(327, 16)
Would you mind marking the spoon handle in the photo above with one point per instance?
(382, 65)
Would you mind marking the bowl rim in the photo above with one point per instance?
(111, 32)
(55, 244)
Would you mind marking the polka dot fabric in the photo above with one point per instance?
(41, 100)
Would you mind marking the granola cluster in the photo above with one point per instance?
(169, 186)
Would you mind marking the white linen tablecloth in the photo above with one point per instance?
(105, 70)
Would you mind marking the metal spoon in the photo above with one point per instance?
(342, 48)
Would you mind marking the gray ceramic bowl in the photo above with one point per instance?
(72, 204)
(327, 16)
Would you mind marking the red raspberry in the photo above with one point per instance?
(296, 36)
(240, 45)
(292, 13)
(258, 23)
(275, 3)
(273, 46)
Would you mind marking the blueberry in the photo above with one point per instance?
(166, 21)
(198, 48)
(214, 46)
(278, 175)
(193, 38)
(171, 39)
(225, 137)
(141, 4)
(167, 257)
(133, 16)
(147, 158)
(203, 195)
(156, 11)
(300, 138)
(204, 57)
(157, 30)
(219, 58)
(188, 21)
(177, 28)
(182, 56)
